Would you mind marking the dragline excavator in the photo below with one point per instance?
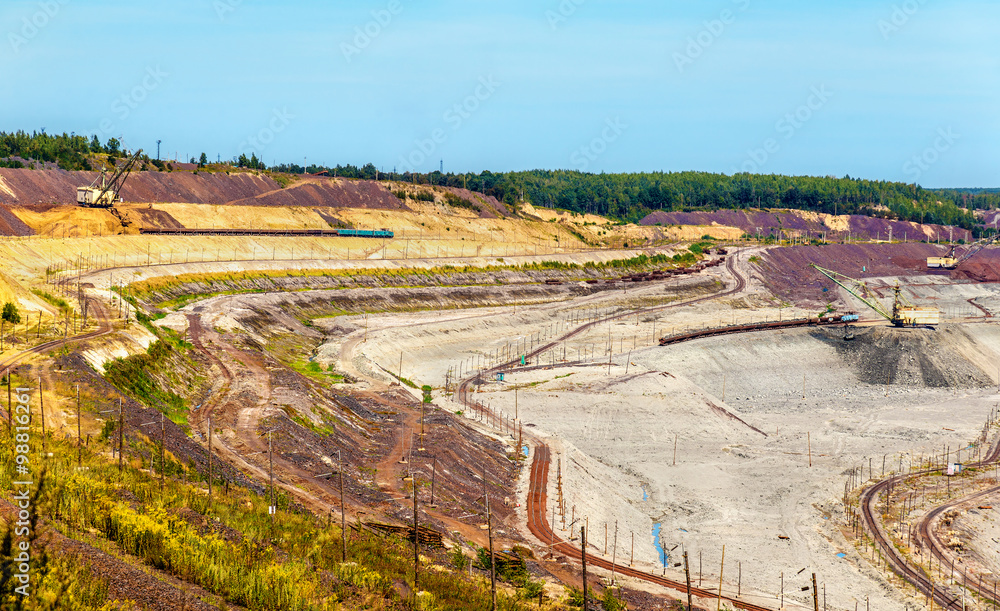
(903, 313)
(951, 261)
(108, 193)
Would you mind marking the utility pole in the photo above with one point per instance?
(722, 567)
(815, 594)
(41, 410)
(493, 563)
(583, 555)
(10, 412)
(343, 515)
(79, 416)
(121, 434)
(687, 575)
(270, 467)
(416, 541)
(210, 460)
(163, 438)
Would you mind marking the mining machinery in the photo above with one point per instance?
(951, 261)
(902, 314)
(108, 192)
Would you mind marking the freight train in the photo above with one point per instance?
(826, 319)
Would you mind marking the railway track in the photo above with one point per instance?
(916, 575)
(539, 526)
(461, 392)
(538, 481)
(103, 328)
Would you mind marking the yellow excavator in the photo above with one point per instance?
(951, 261)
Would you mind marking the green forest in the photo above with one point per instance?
(632, 196)
(626, 197)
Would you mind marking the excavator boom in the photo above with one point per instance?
(109, 192)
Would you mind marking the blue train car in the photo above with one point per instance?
(365, 233)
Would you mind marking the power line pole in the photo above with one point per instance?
(163, 455)
(343, 518)
(79, 426)
(209, 460)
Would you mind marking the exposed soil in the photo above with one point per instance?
(23, 187)
(908, 357)
(787, 272)
(808, 224)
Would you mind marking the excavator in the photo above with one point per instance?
(108, 193)
(952, 262)
(902, 314)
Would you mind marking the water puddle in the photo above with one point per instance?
(662, 555)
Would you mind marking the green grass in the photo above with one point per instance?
(58, 302)
(230, 548)
(134, 375)
(314, 370)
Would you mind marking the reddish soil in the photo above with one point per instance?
(59, 186)
(771, 222)
(34, 187)
(11, 225)
(787, 274)
(981, 267)
(991, 218)
(493, 207)
(336, 192)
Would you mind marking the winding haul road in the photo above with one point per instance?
(538, 525)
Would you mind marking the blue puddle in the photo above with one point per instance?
(841, 555)
(645, 495)
(657, 544)
(525, 451)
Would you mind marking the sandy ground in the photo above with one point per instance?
(746, 411)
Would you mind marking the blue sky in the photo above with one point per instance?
(902, 90)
